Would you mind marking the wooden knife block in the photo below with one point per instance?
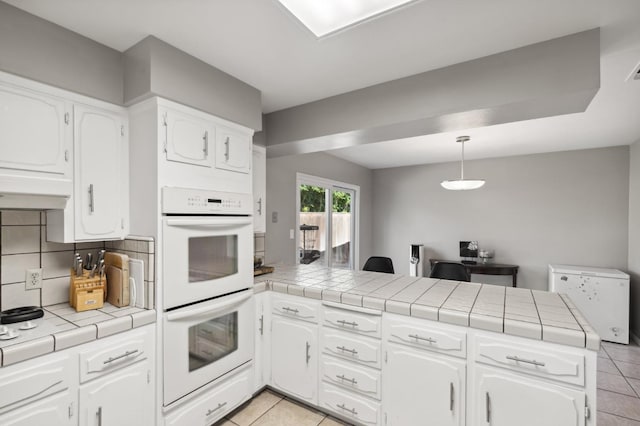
(87, 293)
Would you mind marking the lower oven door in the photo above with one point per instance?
(204, 341)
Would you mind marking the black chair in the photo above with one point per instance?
(378, 264)
(450, 271)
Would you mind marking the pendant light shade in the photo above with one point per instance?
(462, 184)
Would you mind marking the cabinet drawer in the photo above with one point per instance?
(425, 335)
(353, 407)
(113, 353)
(36, 380)
(368, 325)
(214, 404)
(295, 307)
(536, 360)
(354, 378)
(354, 348)
(56, 410)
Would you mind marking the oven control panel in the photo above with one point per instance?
(200, 201)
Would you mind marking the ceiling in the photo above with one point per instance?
(259, 43)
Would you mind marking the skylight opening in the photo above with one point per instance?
(325, 17)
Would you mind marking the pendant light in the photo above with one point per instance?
(462, 184)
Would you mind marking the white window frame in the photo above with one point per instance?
(305, 179)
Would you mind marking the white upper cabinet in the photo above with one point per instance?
(233, 150)
(99, 208)
(35, 142)
(189, 139)
(33, 132)
(259, 189)
(101, 173)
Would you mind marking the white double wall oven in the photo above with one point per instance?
(208, 275)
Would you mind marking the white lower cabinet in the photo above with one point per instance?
(505, 399)
(423, 388)
(215, 402)
(352, 407)
(122, 398)
(56, 410)
(294, 358)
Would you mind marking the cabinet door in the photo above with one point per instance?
(102, 172)
(423, 388)
(294, 358)
(188, 139)
(57, 410)
(260, 372)
(504, 399)
(33, 132)
(233, 150)
(122, 398)
(259, 189)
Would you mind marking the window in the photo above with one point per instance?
(327, 222)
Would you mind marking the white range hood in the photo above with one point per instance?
(34, 192)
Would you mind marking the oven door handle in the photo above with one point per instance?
(207, 311)
(220, 222)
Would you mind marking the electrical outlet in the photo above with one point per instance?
(34, 279)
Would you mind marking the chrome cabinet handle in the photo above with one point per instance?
(220, 405)
(451, 396)
(205, 149)
(526, 361)
(341, 377)
(308, 355)
(288, 309)
(226, 149)
(345, 323)
(343, 349)
(426, 339)
(351, 410)
(91, 205)
(124, 355)
(488, 404)
(99, 415)
(260, 206)
(261, 325)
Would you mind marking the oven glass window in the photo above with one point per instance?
(211, 258)
(212, 340)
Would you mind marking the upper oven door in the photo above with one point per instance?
(205, 257)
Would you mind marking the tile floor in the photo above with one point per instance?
(272, 409)
(618, 397)
(619, 385)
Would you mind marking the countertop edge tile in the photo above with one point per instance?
(114, 326)
(76, 336)
(139, 319)
(26, 350)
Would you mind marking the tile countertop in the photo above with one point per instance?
(534, 314)
(71, 328)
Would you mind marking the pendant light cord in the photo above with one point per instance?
(462, 163)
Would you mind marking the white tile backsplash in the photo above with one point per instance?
(15, 295)
(14, 266)
(23, 245)
(57, 264)
(20, 239)
(20, 217)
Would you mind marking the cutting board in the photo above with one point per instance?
(117, 269)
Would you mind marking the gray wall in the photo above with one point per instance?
(634, 236)
(534, 81)
(281, 197)
(565, 207)
(40, 50)
(154, 67)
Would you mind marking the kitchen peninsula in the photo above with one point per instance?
(364, 345)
